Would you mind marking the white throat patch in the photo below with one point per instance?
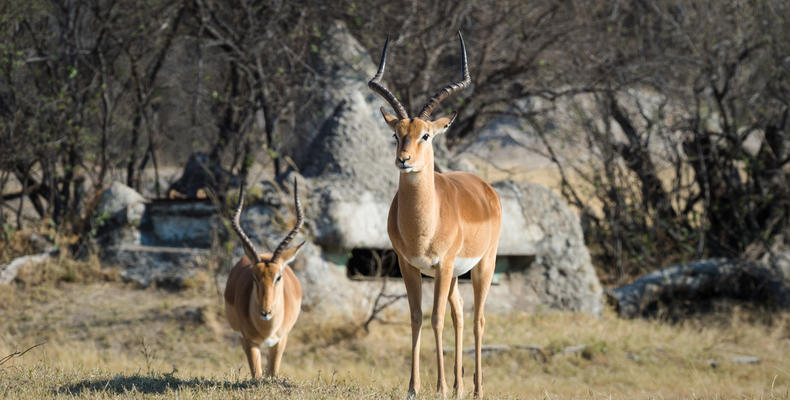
(271, 341)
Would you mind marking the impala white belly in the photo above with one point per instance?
(428, 266)
(462, 265)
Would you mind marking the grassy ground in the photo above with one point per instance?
(108, 340)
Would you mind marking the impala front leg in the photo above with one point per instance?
(441, 291)
(413, 281)
(253, 357)
(275, 356)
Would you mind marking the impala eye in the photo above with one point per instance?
(425, 137)
(277, 279)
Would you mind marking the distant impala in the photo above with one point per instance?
(441, 225)
(263, 296)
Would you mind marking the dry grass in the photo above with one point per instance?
(108, 340)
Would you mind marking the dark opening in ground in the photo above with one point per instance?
(511, 264)
(373, 263)
(366, 262)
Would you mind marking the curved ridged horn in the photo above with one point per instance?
(294, 231)
(448, 90)
(374, 85)
(249, 248)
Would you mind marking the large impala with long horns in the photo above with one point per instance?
(441, 225)
(263, 296)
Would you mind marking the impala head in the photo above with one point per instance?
(267, 271)
(414, 151)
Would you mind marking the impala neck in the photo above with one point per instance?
(417, 203)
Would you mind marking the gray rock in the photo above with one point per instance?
(537, 222)
(535, 351)
(189, 223)
(263, 224)
(120, 204)
(349, 151)
(486, 348)
(694, 287)
(9, 271)
(163, 266)
(345, 67)
(326, 289)
(118, 215)
(746, 360)
(574, 349)
(777, 257)
(349, 218)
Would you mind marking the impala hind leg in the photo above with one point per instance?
(413, 281)
(457, 312)
(275, 356)
(253, 357)
(482, 275)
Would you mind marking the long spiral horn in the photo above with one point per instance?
(375, 85)
(448, 90)
(249, 248)
(294, 231)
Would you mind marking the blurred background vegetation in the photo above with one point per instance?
(681, 105)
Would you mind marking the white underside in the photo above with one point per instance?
(270, 341)
(461, 265)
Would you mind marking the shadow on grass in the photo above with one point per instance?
(157, 384)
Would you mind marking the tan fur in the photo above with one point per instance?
(244, 303)
(439, 217)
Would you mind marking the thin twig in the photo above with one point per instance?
(18, 354)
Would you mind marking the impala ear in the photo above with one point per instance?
(290, 254)
(442, 124)
(391, 119)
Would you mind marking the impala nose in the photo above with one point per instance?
(266, 315)
(403, 160)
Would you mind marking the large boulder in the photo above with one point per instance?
(344, 67)
(350, 181)
(349, 148)
(169, 267)
(538, 222)
(121, 204)
(118, 214)
(701, 286)
(776, 257)
(326, 289)
(180, 223)
(153, 243)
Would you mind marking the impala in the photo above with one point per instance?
(441, 225)
(263, 296)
